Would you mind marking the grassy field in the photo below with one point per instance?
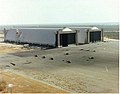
(111, 35)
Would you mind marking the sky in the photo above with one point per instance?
(58, 11)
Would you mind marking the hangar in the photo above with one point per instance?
(89, 34)
(55, 37)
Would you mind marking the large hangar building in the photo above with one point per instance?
(55, 37)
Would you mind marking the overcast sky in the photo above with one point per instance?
(57, 11)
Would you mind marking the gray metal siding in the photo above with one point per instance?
(38, 36)
(11, 35)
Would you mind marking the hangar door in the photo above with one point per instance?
(71, 38)
(66, 39)
(95, 36)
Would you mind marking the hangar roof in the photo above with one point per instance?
(94, 28)
(66, 29)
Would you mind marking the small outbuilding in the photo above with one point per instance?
(55, 37)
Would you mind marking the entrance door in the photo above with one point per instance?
(64, 40)
(95, 36)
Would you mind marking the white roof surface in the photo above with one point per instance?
(66, 29)
(94, 28)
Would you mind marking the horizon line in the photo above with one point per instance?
(87, 23)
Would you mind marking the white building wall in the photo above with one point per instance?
(82, 36)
